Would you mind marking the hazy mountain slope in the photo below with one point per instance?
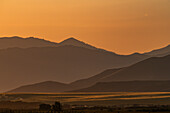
(159, 52)
(83, 83)
(48, 87)
(15, 41)
(62, 64)
(129, 86)
(163, 54)
(10, 42)
(156, 68)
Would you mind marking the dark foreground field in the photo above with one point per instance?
(120, 102)
(77, 111)
(108, 99)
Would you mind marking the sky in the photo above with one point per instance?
(121, 26)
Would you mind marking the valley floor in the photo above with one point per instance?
(92, 99)
(119, 102)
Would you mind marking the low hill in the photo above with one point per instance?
(53, 87)
(42, 87)
(83, 83)
(156, 68)
(129, 86)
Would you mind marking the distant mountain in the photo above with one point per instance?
(149, 70)
(15, 41)
(83, 83)
(51, 86)
(66, 64)
(48, 87)
(10, 42)
(129, 86)
(32, 60)
(159, 52)
(152, 74)
(156, 68)
(120, 86)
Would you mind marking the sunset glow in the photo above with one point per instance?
(122, 26)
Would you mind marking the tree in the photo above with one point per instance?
(56, 106)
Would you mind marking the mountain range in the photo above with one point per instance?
(33, 60)
(16, 41)
(63, 63)
(148, 75)
(52, 86)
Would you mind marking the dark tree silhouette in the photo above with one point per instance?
(56, 106)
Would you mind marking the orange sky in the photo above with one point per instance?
(122, 26)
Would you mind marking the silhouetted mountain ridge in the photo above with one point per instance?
(15, 41)
(69, 61)
(159, 52)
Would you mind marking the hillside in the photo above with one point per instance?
(129, 86)
(152, 69)
(53, 87)
(83, 83)
(64, 64)
(42, 87)
(156, 68)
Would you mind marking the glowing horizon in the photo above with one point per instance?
(120, 26)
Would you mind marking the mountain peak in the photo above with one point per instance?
(75, 42)
(71, 38)
(70, 41)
